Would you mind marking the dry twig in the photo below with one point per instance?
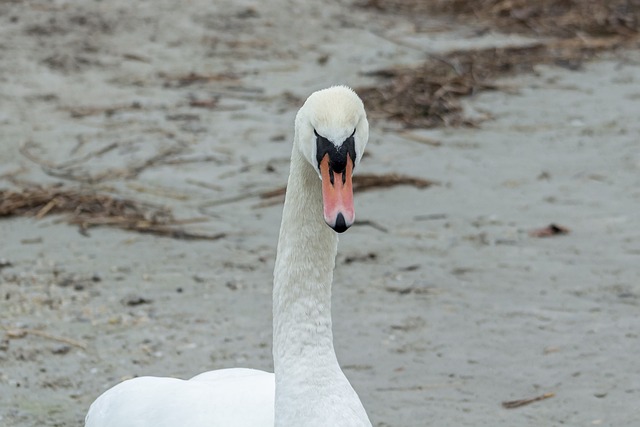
(70, 170)
(522, 402)
(549, 231)
(366, 182)
(22, 332)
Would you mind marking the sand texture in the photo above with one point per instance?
(446, 301)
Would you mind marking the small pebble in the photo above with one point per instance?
(133, 300)
(61, 349)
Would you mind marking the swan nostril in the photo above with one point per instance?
(341, 225)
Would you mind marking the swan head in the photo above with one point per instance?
(331, 134)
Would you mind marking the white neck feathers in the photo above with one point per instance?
(310, 386)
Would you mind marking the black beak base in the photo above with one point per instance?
(337, 155)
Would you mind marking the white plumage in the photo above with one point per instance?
(308, 388)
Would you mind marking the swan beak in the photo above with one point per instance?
(337, 195)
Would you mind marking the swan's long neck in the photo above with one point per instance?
(302, 277)
(309, 381)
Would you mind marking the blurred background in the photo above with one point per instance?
(491, 278)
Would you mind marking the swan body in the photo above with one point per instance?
(209, 399)
(307, 388)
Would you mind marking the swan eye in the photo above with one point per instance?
(353, 133)
(316, 133)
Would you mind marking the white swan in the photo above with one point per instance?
(308, 387)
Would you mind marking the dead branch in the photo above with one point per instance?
(361, 183)
(512, 404)
(78, 112)
(366, 182)
(22, 332)
(69, 170)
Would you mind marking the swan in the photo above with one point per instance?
(307, 388)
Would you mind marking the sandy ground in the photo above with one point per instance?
(452, 311)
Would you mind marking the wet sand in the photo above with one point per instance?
(448, 310)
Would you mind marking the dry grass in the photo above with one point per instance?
(429, 95)
(88, 209)
(558, 18)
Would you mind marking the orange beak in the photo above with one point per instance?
(337, 195)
